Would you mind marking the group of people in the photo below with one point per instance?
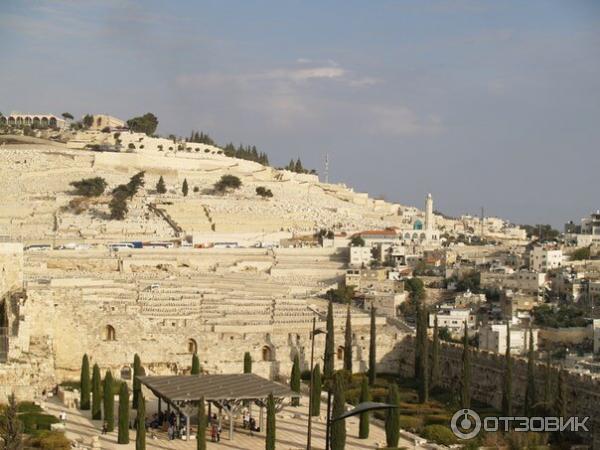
(250, 422)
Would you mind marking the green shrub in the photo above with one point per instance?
(89, 187)
(28, 407)
(49, 440)
(411, 423)
(437, 419)
(33, 421)
(439, 434)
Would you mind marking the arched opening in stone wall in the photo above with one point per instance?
(267, 353)
(109, 333)
(126, 373)
(192, 346)
(340, 353)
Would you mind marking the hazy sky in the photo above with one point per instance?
(493, 103)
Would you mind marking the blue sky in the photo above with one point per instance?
(493, 103)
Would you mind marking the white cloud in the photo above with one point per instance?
(400, 121)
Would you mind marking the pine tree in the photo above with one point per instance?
(96, 393)
(560, 404)
(348, 342)
(84, 381)
(423, 380)
(10, 426)
(530, 397)
(137, 386)
(247, 363)
(123, 437)
(338, 428)
(140, 435)
(465, 382)
(185, 187)
(201, 435)
(270, 439)
(316, 392)
(373, 349)
(507, 387)
(160, 186)
(195, 364)
(109, 401)
(435, 356)
(328, 363)
(365, 396)
(295, 380)
(392, 418)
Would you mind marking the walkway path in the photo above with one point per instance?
(291, 432)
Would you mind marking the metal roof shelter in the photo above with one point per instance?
(226, 391)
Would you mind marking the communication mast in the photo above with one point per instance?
(326, 167)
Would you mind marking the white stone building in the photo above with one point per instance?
(492, 337)
(453, 319)
(543, 259)
(360, 256)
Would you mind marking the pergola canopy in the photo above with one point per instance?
(217, 387)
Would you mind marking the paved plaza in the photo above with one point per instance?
(291, 432)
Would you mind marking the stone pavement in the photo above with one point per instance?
(290, 435)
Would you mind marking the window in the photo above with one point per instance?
(340, 353)
(109, 333)
(192, 346)
(267, 353)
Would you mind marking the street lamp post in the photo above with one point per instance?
(360, 408)
(310, 396)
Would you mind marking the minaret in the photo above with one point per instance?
(429, 213)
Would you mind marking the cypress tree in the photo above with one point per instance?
(328, 363)
(507, 391)
(548, 394)
(560, 404)
(373, 349)
(530, 397)
(424, 358)
(365, 396)
(270, 439)
(435, 356)
(84, 402)
(418, 342)
(392, 418)
(348, 342)
(338, 429)
(96, 394)
(140, 435)
(295, 380)
(247, 363)
(195, 364)
(137, 386)
(316, 392)
(201, 435)
(160, 186)
(465, 381)
(123, 437)
(185, 187)
(109, 401)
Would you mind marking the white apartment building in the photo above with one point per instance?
(453, 319)
(543, 259)
(492, 337)
(596, 328)
(360, 256)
